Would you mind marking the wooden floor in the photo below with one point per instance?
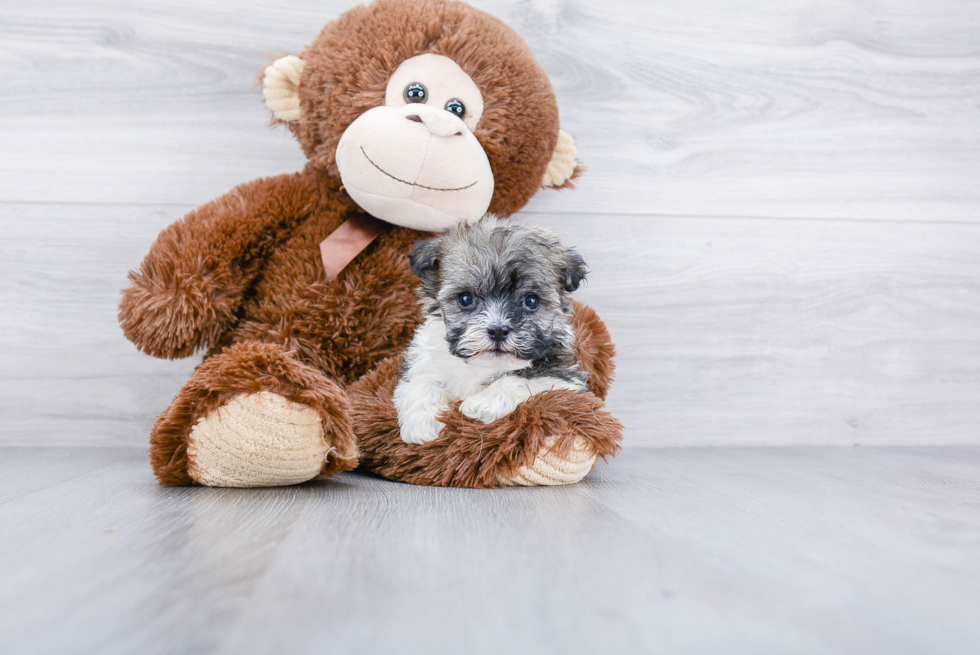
(720, 550)
(782, 216)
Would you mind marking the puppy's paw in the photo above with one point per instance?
(421, 428)
(493, 403)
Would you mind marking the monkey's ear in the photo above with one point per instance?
(573, 271)
(424, 262)
(563, 167)
(280, 86)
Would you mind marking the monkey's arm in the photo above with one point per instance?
(186, 292)
(558, 432)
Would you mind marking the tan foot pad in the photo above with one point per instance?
(550, 470)
(257, 440)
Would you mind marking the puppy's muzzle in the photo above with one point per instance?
(498, 333)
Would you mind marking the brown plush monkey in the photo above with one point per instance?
(414, 114)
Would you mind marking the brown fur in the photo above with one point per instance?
(471, 454)
(190, 286)
(594, 347)
(351, 60)
(241, 276)
(249, 367)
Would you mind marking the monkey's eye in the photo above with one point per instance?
(466, 299)
(456, 108)
(415, 92)
(531, 301)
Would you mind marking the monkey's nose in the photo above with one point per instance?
(438, 121)
(498, 333)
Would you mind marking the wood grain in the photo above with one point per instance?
(780, 208)
(730, 331)
(24, 471)
(817, 550)
(842, 110)
(757, 331)
(860, 549)
(781, 213)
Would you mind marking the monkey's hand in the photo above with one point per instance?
(170, 311)
(188, 289)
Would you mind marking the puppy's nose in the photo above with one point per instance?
(498, 332)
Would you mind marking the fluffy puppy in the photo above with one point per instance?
(496, 332)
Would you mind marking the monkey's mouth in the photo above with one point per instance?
(421, 186)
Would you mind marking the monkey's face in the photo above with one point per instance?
(415, 161)
(428, 112)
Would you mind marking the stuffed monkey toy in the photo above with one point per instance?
(413, 115)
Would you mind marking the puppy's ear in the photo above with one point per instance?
(424, 261)
(573, 270)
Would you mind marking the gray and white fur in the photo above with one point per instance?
(495, 298)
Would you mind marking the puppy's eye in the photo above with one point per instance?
(456, 108)
(415, 92)
(466, 299)
(531, 301)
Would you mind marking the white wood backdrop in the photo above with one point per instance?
(782, 207)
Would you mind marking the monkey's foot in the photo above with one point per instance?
(252, 416)
(257, 440)
(551, 469)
